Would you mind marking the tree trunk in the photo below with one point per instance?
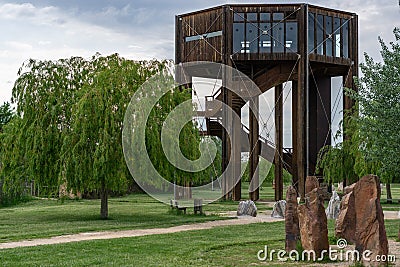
(388, 193)
(104, 202)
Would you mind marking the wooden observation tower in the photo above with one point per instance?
(274, 44)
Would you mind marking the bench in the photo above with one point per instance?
(198, 206)
(175, 205)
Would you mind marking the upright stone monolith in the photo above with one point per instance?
(291, 220)
(370, 227)
(345, 226)
(311, 183)
(313, 223)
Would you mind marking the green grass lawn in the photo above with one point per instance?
(222, 246)
(44, 218)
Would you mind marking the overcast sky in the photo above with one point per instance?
(140, 29)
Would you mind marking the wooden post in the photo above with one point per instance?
(227, 119)
(295, 178)
(278, 142)
(302, 123)
(236, 156)
(254, 193)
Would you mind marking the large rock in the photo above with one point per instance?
(311, 183)
(345, 226)
(279, 209)
(370, 228)
(291, 220)
(313, 223)
(349, 188)
(247, 208)
(332, 211)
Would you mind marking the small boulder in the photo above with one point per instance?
(333, 209)
(279, 209)
(247, 208)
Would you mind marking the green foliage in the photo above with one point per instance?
(6, 114)
(372, 130)
(378, 97)
(337, 162)
(92, 156)
(265, 166)
(68, 127)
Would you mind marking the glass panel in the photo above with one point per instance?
(238, 37)
(320, 34)
(336, 36)
(238, 17)
(252, 17)
(252, 36)
(265, 38)
(311, 34)
(278, 38)
(346, 39)
(265, 16)
(328, 36)
(213, 34)
(278, 16)
(192, 38)
(291, 37)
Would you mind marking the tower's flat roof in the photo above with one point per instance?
(268, 5)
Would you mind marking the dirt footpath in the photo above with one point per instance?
(243, 220)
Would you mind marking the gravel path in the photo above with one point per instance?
(243, 220)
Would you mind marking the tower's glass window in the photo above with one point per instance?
(252, 17)
(336, 37)
(311, 35)
(239, 43)
(265, 38)
(291, 37)
(328, 36)
(346, 38)
(278, 16)
(252, 36)
(320, 34)
(238, 17)
(278, 33)
(265, 16)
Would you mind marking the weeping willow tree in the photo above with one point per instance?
(189, 141)
(92, 154)
(44, 93)
(69, 124)
(13, 162)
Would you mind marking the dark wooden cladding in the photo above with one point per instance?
(209, 21)
(203, 50)
(304, 44)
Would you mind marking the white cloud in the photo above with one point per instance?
(50, 33)
(139, 29)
